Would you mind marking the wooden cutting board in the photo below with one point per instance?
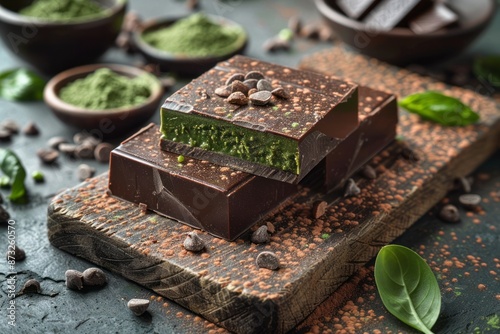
(223, 283)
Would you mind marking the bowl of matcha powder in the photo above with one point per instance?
(108, 98)
(54, 35)
(190, 45)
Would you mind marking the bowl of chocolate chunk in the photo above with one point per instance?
(109, 98)
(189, 45)
(407, 31)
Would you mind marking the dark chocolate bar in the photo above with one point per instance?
(437, 17)
(378, 114)
(389, 13)
(220, 200)
(356, 9)
(283, 140)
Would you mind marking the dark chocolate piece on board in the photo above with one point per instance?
(389, 13)
(319, 113)
(437, 17)
(220, 200)
(356, 9)
(378, 113)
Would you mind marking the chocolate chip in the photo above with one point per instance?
(264, 85)
(449, 213)
(238, 98)
(238, 86)
(295, 24)
(261, 98)
(138, 306)
(94, 277)
(319, 209)
(193, 242)
(409, 154)
(268, 260)
(235, 77)
(74, 279)
(276, 44)
(85, 137)
(10, 126)
(19, 254)
(252, 91)
(54, 142)
(102, 152)
(47, 155)
(254, 75)
(280, 92)
(223, 91)
(68, 149)
(351, 188)
(310, 31)
(84, 151)
(91, 141)
(31, 286)
(251, 83)
(369, 172)
(470, 201)
(260, 236)
(5, 135)
(31, 129)
(4, 215)
(84, 172)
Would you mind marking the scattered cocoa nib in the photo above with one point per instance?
(54, 142)
(254, 75)
(223, 91)
(449, 213)
(260, 98)
(138, 306)
(264, 85)
(84, 172)
(19, 254)
(5, 135)
(464, 183)
(74, 279)
(470, 201)
(238, 86)
(47, 155)
(102, 152)
(94, 277)
(10, 126)
(84, 151)
(252, 91)
(235, 77)
(369, 172)
(280, 92)
(310, 31)
(31, 129)
(268, 260)
(260, 236)
(251, 83)
(270, 227)
(319, 209)
(238, 98)
(31, 286)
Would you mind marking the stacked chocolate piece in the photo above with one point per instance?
(237, 141)
(420, 16)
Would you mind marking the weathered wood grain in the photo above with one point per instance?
(317, 255)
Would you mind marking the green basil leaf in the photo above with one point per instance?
(439, 108)
(408, 287)
(12, 167)
(488, 69)
(21, 85)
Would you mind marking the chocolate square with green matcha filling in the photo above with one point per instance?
(283, 139)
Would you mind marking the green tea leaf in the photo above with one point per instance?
(21, 85)
(12, 167)
(488, 69)
(408, 287)
(439, 108)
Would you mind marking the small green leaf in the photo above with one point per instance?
(488, 69)
(21, 85)
(439, 108)
(285, 34)
(12, 167)
(407, 286)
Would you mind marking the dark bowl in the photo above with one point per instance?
(181, 64)
(108, 122)
(400, 45)
(53, 46)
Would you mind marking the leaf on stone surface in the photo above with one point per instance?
(408, 287)
(21, 85)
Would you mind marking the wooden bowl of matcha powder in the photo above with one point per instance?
(108, 99)
(190, 45)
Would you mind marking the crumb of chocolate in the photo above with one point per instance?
(260, 236)
(319, 209)
(268, 260)
(193, 242)
(351, 188)
(138, 306)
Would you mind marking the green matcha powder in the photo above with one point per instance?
(60, 10)
(197, 35)
(105, 89)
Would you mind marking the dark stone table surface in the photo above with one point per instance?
(463, 255)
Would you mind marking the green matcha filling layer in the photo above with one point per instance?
(212, 135)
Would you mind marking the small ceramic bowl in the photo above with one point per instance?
(184, 65)
(53, 46)
(108, 122)
(401, 46)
